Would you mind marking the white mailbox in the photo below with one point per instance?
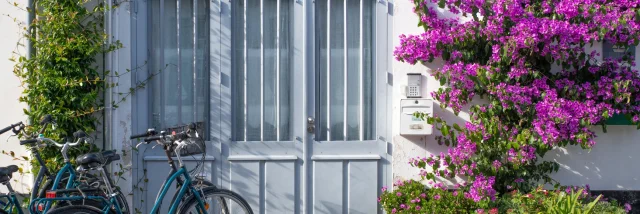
(410, 125)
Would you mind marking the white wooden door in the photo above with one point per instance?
(303, 103)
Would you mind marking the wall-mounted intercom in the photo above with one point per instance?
(410, 125)
(414, 82)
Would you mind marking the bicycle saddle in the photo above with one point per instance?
(6, 172)
(97, 159)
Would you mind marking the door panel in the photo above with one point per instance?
(328, 186)
(314, 63)
(246, 180)
(345, 186)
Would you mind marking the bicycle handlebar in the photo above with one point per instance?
(153, 138)
(29, 141)
(150, 132)
(10, 127)
(80, 134)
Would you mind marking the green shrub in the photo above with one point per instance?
(64, 78)
(568, 201)
(414, 197)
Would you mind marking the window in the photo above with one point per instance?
(612, 51)
(345, 80)
(262, 75)
(179, 53)
(261, 70)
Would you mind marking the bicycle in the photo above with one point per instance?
(197, 200)
(6, 173)
(65, 175)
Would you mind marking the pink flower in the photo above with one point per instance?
(436, 197)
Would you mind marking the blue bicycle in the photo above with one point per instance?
(204, 200)
(66, 177)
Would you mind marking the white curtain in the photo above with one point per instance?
(180, 82)
(344, 64)
(265, 112)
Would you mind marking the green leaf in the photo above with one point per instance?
(445, 130)
(443, 81)
(441, 3)
(457, 127)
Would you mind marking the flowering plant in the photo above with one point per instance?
(413, 197)
(505, 53)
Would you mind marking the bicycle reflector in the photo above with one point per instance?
(51, 194)
(40, 207)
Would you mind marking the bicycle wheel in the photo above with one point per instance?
(198, 184)
(122, 201)
(217, 201)
(75, 209)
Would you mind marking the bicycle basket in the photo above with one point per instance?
(195, 145)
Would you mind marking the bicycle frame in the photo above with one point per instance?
(108, 203)
(12, 201)
(183, 189)
(66, 168)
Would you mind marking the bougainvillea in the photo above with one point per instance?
(504, 53)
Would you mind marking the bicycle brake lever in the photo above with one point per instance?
(10, 137)
(138, 145)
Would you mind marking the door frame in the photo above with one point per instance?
(220, 127)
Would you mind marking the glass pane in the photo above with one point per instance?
(170, 74)
(369, 116)
(237, 67)
(353, 69)
(254, 57)
(156, 66)
(336, 101)
(349, 59)
(321, 70)
(180, 83)
(270, 62)
(202, 62)
(186, 62)
(285, 69)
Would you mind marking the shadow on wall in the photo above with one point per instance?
(612, 164)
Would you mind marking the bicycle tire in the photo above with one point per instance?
(122, 201)
(200, 184)
(214, 192)
(76, 209)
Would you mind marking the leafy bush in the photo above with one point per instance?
(414, 197)
(568, 201)
(63, 79)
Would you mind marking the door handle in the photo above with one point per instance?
(311, 125)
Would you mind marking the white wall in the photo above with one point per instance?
(610, 165)
(11, 111)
